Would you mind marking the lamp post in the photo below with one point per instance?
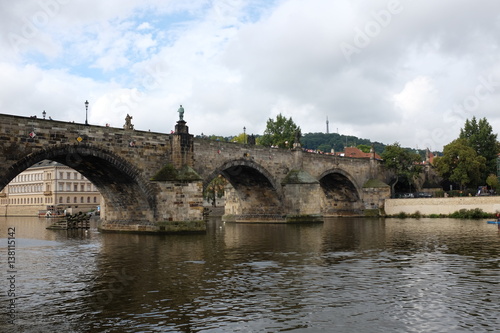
(86, 112)
(43, 114)
(244, 135)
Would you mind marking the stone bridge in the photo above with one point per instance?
(153, 182)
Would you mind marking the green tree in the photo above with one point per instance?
(324, 148)
(280, 132)
(364, 148)
(217, 138)
(480, 137)
(461, 164)
(241, 138)
(215, 189)
(402, 162)
(493, 182)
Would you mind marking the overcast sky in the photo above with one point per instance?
(407, 71)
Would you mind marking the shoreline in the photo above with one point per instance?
(441, 206)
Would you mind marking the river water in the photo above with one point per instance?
(346, 275)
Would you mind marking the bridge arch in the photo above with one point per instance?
(342, 193)
(128, 196)
(255, 193)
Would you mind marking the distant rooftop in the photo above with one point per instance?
(46, 163)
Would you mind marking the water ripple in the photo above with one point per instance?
(348, 276)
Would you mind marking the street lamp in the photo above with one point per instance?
(244, 135)
(43, 114)
(86, 111)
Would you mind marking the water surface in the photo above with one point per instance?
(346, 275)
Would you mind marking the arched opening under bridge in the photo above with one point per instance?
(128, 197)
(341, 194)
(250, 193)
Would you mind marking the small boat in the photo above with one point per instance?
(493, 222)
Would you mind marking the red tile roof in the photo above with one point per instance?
(356, 153)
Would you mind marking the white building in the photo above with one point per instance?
(48, 185)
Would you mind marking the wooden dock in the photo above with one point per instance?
(77, 221)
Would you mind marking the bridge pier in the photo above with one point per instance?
(178, 209)
(178, 206)
(302, 197)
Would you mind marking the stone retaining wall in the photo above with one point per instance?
(427, 206)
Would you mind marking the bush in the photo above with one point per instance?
(402, 215)
(476, 213)
(416, 215)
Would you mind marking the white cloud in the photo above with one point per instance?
(236, 63)
(145, 26)
(417, 98)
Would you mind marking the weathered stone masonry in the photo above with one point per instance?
(154, 182)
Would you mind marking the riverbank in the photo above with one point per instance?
(441, 206)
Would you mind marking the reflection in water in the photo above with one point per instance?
(346, 275)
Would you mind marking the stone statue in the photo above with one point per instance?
(251, 140)
(128, 122)
(296, 141)
(181, 113)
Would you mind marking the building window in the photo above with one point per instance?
(68, 175)
(60, 200)
(61, 186)
(88, 199)
(68, 200)
(81, 200)
(95, 199)
(75, 187)
(75, 200)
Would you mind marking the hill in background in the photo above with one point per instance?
(327, 142)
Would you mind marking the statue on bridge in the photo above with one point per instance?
(128, 123)
(251, 140)
(181, 113)
(296, 141)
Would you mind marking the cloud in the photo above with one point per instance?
(237, 63)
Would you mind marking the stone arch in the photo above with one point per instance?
(236, 167)
(254, 191)
(127, 194)
(342, 193)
